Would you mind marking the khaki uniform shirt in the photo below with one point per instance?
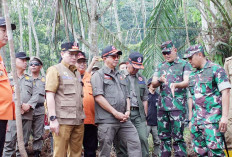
(65, 82)
(113, 86)
(28, 93)
(40, 84)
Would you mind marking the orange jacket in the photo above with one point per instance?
(88, 100)
(7, 107)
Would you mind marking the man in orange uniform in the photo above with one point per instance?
(90, 135)
(7, 110)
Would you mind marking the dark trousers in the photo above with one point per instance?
(3, 124)
(90, 141)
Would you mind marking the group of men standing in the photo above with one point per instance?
(110, 106)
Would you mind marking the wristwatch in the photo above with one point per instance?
(52, 118)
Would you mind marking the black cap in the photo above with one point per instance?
(22, 55)
(110, 50)
(81, 55)
(3, 23)
(149, 81)
(136, 59)
(70, 46)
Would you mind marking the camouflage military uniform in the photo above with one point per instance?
(38, 115)
(171, 110)
(29, 95)
(228, 134)
(205, 86)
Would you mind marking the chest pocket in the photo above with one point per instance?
(206, 81)
(42, 89)
(3, 76)
(69, 87)
(177, 71)
(109, 87)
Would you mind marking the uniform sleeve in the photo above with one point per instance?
(52, 80)
(145, 94)
(97, 84)
(187, 69)
(221, 79)
(35, 95)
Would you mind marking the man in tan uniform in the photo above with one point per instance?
(36, 65)
(64, 101)
(228, 134)
(29, 98)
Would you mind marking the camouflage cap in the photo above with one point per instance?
(167, 46)
(192, 50)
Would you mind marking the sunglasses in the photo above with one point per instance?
(35, 64)
(114, 56)
(166, 53)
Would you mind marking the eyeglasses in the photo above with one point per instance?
(114, 56)
(35, 64)
(166, 53)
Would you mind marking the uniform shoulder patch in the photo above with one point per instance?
(27, 77)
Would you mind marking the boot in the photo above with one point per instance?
(37, 153)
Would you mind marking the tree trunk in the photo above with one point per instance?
(186, 21)
(3, 54)
(1, 10)
(20, 26)
(143, 10)
(33, 28)
(93, 27)
(15, 79)
(117, 21)
(30, 38)
(81, 23)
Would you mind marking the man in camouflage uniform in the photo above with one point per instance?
(29, 98)
(172, 77)
(209, 87)
(139, 104)
(38, 115)
(228, 134)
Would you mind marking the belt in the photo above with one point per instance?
(39, 105)
(134, 108)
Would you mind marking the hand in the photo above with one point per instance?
(163, 79)
(190, 125)
(127, 113)
(223, 124)
(95, 58)
(25, 107)
(22, 112)
(54, 126)
(120, 116)
(173, 87)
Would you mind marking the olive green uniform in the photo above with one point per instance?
(138, 94)
(29, 95)
(38, 115)
(113, 87)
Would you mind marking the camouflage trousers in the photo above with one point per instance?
(171, 127)
(207, 140)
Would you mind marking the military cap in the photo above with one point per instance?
(136, 60)
(3, 23)
(192, 50)
(34, 58)
(110, 50)
(81, 55)
(22, 55)
(167, 46)
(70, 46)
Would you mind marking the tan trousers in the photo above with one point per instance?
(228, 134)
(69, 141)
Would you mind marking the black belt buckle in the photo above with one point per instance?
(134, 108)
